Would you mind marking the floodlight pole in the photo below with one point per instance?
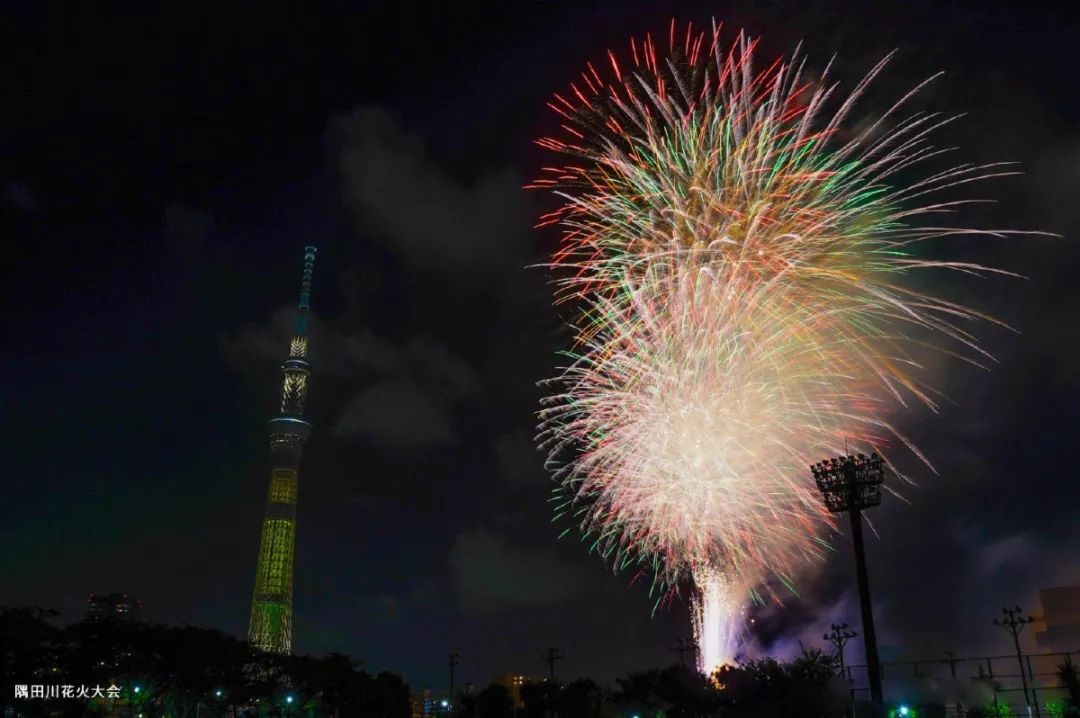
(873, 663)
(851, 484)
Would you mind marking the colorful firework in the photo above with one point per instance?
(737, 263)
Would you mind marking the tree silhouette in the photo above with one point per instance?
(27, 649)
(580, 699)
(184, 671)
(539, 699)
(767, 688)
(688, 693)
(384, 696)
(639, 693)
(494, 701)
(338, 683)
(1070, 681)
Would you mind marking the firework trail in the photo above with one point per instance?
(736, 262)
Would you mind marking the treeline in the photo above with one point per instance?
(188, 672)
(185, 672)
(806, 687)
(180, 672)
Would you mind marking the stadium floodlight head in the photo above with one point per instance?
(850, 482)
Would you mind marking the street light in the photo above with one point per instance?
(852, 484)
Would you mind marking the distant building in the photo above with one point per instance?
(113, 607)
(1058, 628)
(427, 703)
(417, 701)
(514, 682)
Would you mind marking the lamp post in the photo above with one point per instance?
(852, 484)
(1014, 623)
(135, 690)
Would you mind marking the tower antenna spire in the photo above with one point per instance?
(305, 291)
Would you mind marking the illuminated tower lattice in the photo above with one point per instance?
(271, 607)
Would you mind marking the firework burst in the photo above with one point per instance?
(737, 265)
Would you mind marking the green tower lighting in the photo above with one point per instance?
(271, 607)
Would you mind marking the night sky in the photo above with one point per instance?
(163, 169)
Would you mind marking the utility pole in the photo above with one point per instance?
(552, 655)
(684, 646)
(852, 484)
(1014, 623)
(453, 662)
(839, 636)
(952, 672)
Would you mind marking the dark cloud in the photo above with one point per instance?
(261, 344)
(518, 460)
(188, 226)
(492, 574)
(395, 396)
(1055, 183)
(17, 195)
(437, 222)
(397, 414)
(387, 607)
(1003, 553)
(370, 505)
